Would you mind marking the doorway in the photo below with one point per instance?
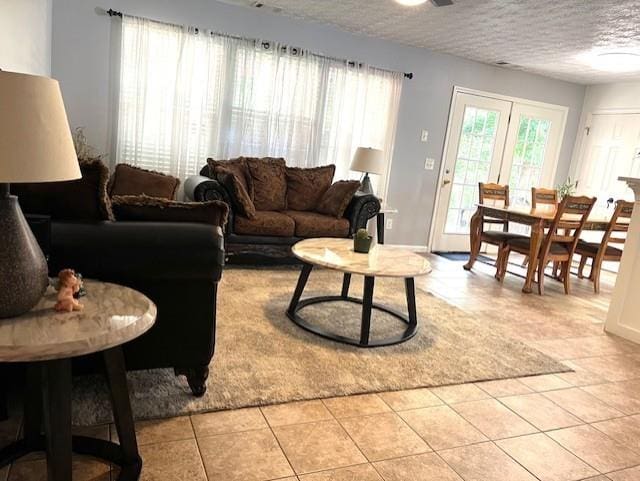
(493, 139)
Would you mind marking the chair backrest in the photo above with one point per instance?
(540, 196)
(499, 195)
(623, 210)
(571, 215)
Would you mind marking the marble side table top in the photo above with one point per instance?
(112, 315)
(381, 261)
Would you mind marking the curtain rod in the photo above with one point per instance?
(115, 13)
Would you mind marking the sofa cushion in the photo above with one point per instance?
(131, 180)
(155, 209)
(84, 199)
(269, 180)
(232, 182)
(305, 187)
(265, 223)
(238, 167)
(312, 224)
(336, 199)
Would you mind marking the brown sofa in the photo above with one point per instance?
(273, 206)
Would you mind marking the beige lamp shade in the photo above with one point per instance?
(368, 160)
(35, 139)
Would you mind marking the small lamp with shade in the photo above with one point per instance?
(368, 161)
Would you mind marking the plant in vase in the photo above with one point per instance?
(362, 241)
(567, 188)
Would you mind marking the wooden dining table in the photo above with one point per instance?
(537, 219)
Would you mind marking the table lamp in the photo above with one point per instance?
(35, 146)
(369, 161)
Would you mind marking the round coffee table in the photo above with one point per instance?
(47, 341)
(381, 261)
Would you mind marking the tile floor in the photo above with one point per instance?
(583, 425)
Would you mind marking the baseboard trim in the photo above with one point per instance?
(414, 248)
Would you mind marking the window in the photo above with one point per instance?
(186, 96)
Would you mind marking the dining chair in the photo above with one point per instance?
(603, 251)
(559, 242)
(540, 196)
(498, 195)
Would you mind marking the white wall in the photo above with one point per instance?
(25, 36)
(81, 52)
(613, 96)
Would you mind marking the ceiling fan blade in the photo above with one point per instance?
(442, 3)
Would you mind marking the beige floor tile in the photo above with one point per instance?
(362, 472)
(545, 458)
(243, 456)
(318, 446)
(623, 396)
(583, 405)
(296, 413)
(611, 368)
(580, 376)
(595, 448)
(384, 436)
(441, 427)
(360, 405)
(161, 430)
(602, 477)
(411, 399)
(540, 411)
(459, 393)
(624, 430)
(493, 419)
(504, 387)
(545, 382)
(484, 462)
(175, 461)
(422, 467)
(223, 422)
(84, 469)
(631, 474)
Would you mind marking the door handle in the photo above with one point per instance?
(445, 182)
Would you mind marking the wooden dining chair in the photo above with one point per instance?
(540, 196)
(498, 195)
(570, 217)
(603, 251)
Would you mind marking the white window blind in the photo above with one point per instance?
(185, 96)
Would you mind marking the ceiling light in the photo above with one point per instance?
(615, 61)
(411, 3)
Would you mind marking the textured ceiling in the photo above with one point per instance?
(549, 37)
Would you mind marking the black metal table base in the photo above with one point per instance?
(47, 407)
(367, 305)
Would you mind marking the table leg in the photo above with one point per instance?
(346, 282)
(474, 238)
(123, 417)
(410, 289)
(56, 388)
(367, 302)
(33, 406)
(537, 233)
(302, 282)
(380, 227)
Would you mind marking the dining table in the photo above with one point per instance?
(538, 219)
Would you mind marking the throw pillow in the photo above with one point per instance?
(269, 179)
(84, 199)
(156, 209)
(130, 180)
(335, 200)
(305, 187)
(233, 174)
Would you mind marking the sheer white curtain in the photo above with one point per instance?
(187, 95)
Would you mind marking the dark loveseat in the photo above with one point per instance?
(272, 233)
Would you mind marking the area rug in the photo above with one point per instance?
(263, 358)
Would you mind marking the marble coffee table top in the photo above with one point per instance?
(381, 261)
(112, 315)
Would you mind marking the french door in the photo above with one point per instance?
(493, 140)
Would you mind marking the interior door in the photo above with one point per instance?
(478, 129)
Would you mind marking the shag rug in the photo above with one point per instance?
(263, 358)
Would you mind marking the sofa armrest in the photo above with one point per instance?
(138, 251)
(199, 188)
(361, 208)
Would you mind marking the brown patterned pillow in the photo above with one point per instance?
(269, 179)
(234, 176)
(84, 199)
(130, 180)
(305, 187)
(156, 209)
(336, 200)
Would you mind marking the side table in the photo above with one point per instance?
(47, 341)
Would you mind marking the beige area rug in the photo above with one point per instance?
(263, 358)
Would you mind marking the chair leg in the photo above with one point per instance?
(504, 262)
(525, 261)
(566, 278)
(596, 278)
(583, 262)
(541, 267)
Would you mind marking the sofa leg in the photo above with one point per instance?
(196, 377)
